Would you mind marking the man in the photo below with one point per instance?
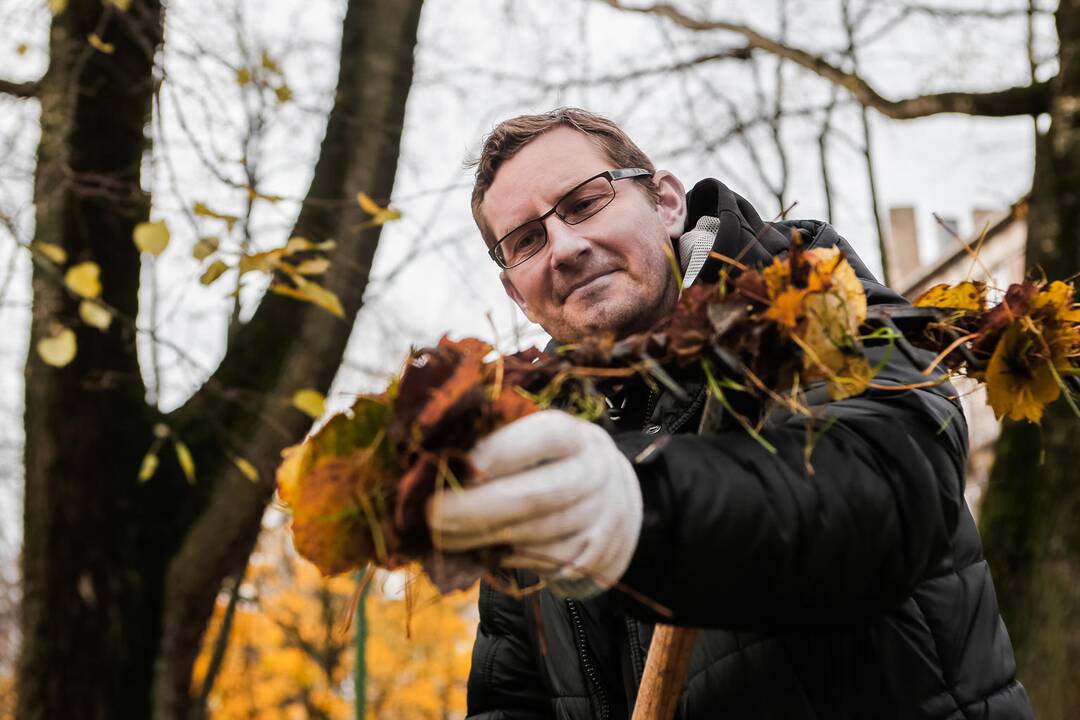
(857, 591)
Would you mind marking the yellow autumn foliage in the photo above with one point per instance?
(967, 295)
(7, 696)
(1024, 373)
(290, 655)
(822, 313)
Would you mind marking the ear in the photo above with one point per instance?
(512, 292)
(671, 207)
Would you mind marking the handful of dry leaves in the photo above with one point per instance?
(358, 486)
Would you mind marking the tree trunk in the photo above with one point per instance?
(92, 568)
(1029, 526)
(120, 577)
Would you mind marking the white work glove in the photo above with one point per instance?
(555, 489)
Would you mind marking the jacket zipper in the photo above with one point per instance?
(696, 405)
(650, 405)
(637, 659)
(586, 658)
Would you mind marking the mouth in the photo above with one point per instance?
(584, 283)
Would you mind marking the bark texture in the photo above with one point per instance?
(1029, 514)
(120, 576)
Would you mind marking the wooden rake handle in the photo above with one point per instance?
(668, 660)
(665, 672)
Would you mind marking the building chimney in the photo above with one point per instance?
(902, 244)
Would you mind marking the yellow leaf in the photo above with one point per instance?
(294, 464)
(261, 261)
(84, 279)
(57, 6)
(283, 93)
(95, 315)
(212, 273)
(310, 292)
(202, 210)
(59, 349)
(379, 215)
(315, 266)
(243, 76)
(246, 468)
(296, 244)
(367, 204)
(121, 5)
(1058, 298)
(254, 194)
(1019, 383)
(149, 466)
(269, 64)
(206, 247)
(310, 402)
(187, 463)
(151, 237)
(967, 295)
(100, 45)
(54, 252)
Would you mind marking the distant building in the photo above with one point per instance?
(994, 253)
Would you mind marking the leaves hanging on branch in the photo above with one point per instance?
(151, 237)
(84, 279)
(379, 215)
(59, 349)
(1023, 348)
(358, 486)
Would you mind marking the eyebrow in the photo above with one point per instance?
(562, 193)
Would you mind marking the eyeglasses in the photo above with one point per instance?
(581, 203)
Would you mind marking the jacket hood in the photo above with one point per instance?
(744, 236)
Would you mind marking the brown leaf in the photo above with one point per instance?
(429, 474)
(438, 391)
(330, 526)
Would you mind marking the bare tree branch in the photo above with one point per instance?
(850, 27)
(963, 13)
(19, 89)
(739, 53)
(1022, 100)
(823, 142)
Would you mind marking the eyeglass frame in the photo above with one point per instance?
(610, 175)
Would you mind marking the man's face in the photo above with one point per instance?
(610, 273)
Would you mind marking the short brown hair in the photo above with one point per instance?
(511, 135)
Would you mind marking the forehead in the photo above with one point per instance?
(529, 183)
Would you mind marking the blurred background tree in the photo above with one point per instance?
(290, 652)
(134, 515)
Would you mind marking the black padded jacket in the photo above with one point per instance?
(841, 577)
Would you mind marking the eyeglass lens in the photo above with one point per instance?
(575, 207)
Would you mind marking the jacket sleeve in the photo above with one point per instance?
(504, 681)
(735, 536)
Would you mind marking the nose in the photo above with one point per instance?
(567, 247)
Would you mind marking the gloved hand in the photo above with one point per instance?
(558, 491)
